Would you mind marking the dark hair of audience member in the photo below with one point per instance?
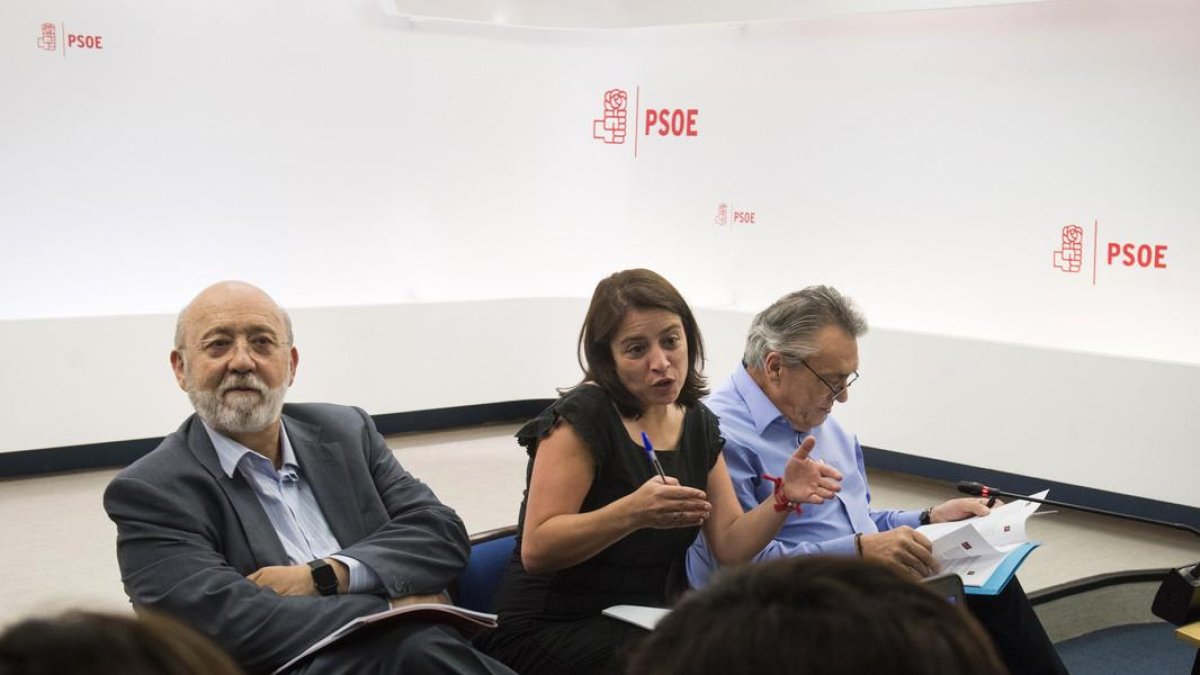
(819, 616)
(613, 298)
(109, 644)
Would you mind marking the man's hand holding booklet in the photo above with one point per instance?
(985, 551)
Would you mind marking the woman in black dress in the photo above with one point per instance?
(598, 526)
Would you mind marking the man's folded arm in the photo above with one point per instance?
(423, 546)
(170, 562)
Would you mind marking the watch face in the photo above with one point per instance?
(324, 578)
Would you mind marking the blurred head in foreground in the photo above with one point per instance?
(109, 644)
(818, 615)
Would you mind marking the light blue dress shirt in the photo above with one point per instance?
(290, 505)
(758, 440)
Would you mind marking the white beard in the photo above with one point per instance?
(242, 414)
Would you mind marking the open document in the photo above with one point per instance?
(985, 552)
(467, 621)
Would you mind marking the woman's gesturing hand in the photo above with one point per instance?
(669, 505)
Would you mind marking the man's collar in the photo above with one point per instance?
(230, 452)
(762, 412)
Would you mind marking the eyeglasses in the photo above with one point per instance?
(836, 391)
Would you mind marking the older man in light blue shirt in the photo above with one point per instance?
(800, 359)
(759, 440)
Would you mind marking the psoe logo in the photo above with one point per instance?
(48, 40)
(617, 124)
(611, 127)
(728, 215)
(1110, 255)
(1069, 256)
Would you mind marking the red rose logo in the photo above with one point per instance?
(615, 99)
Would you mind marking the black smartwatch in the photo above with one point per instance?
(924, 517)
(324, 578)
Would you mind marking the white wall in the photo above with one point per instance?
(101, 379)
(429, 198)
(1118, 424)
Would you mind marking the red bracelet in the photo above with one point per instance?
(781, 501)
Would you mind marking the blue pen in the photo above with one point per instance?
(653, 458)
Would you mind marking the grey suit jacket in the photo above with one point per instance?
(187, 534)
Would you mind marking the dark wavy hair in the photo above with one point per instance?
(642, 290)
(109, 644)
(815, 615)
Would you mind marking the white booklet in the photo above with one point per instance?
(638, 615)
(466, 620)
(986, 551)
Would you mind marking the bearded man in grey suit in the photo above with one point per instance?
(266, 526)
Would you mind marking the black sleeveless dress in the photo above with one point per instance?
(551, 623)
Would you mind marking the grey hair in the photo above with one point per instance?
(287, 323)
(790, 325)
